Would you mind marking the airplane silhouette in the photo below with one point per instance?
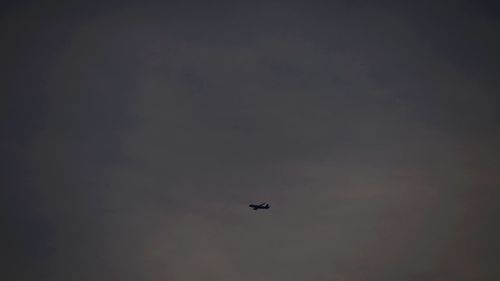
(260, 206)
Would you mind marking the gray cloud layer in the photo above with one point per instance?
(137, 133)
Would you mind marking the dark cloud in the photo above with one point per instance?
(136, 133)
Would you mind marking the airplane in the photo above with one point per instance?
(260, 206)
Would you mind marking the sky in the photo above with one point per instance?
(136, 133)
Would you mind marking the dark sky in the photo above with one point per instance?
(134, 134)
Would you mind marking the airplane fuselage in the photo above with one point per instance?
(256, 207)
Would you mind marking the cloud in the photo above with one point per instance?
(152, 126)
